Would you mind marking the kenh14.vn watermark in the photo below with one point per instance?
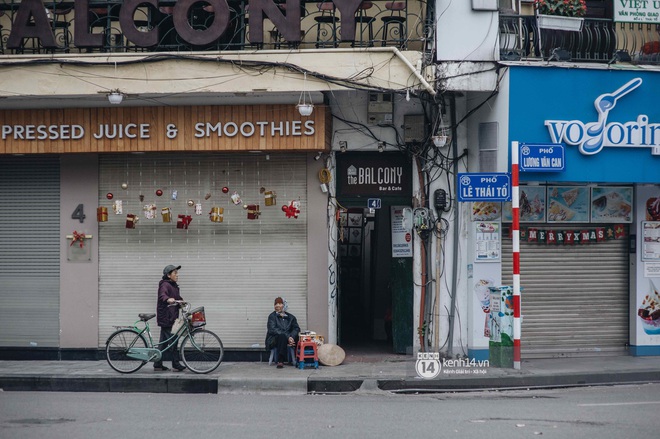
(430, 365)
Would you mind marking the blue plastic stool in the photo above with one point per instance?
(273, 356)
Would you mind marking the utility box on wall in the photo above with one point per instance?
(413, 128)
(484, 5)
(380, 108)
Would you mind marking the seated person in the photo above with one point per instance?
(282, 332)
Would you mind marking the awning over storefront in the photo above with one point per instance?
(83, 80)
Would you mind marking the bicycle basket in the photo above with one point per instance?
(198, 318)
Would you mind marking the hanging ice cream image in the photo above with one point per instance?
(482, 293)
(649, 310)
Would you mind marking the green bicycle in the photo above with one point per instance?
(129, 347)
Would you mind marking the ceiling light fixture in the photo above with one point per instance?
(305, 108)
(318, 156)
(115, 97)
(343, 145)
(381, 146)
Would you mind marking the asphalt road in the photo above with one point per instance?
(601, 412)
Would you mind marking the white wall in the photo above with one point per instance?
(465, 35)
(481, 274)
(79, 281)
(317, 261)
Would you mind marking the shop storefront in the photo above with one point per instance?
(120, 193)
(220, 216)
(29, 213)
(588, 278)
(375, 251)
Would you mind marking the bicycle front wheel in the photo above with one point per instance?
(116, 350)
(201, 351)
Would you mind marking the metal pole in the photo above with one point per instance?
(515, 201)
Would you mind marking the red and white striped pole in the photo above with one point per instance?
(515, 201)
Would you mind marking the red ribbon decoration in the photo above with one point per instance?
(78, 237)
(291, 211)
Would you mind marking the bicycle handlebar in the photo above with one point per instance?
(181, 304)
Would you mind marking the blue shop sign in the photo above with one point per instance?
(484, 187)
(547, 157)
(608, 121)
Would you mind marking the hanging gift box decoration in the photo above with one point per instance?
(292, 210)
(198, 208)
(118, 207)
(270, 198)
(166, 214)
(217, 214)
(150, 211)
(253, 211)
(131, 221)
(235, 198)
(183, 221)
(101, 214)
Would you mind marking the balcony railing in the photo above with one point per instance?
(600, 41)
(377, 23)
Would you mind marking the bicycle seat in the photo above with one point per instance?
(145, 317)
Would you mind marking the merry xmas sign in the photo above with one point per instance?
(572, 237)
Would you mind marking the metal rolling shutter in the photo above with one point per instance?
(30, 256)
(574, 299)
(234, 269)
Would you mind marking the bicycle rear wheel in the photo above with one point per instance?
(116, 350)
(201, 351)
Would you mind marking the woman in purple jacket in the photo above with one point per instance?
(168, 293)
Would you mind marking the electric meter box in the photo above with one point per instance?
(413, 128)
(379, 110)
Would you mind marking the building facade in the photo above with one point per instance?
(204, 134)
(213, 160)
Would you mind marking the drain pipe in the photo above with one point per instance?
(454, 281)
(415, 71)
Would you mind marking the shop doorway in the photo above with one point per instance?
(375, 290)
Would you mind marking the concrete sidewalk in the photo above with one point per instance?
(387, 373)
